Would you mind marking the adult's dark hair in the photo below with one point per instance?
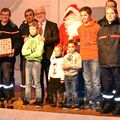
(87, 9)
(5, 10)
(29, 10)
(115, 3)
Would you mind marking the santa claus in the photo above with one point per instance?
(68, 28)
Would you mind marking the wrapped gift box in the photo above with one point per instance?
(5, 47)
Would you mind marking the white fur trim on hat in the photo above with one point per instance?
(73, 9)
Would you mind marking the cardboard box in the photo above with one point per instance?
(5, 47)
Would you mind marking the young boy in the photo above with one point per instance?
(56, 77)
(89, 53)
(71, 65)
(33, 50)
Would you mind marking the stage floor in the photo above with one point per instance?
(10, 114)
(18, 105)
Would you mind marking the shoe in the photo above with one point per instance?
(61, 105)
(10, 104)
(76, 108)
(98, 106)
(25, 102)
(38, 103)
(53, 105)
(81, 104)
(2, 103)
(66, 107)
(90, 105)
(117, 110)
(107, 108)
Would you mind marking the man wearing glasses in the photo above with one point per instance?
(49, 31)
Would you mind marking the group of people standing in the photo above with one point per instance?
(80, 44)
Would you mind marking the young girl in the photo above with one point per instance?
(56, 77)
(33, 50)
(71, 65)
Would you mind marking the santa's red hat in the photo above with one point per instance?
(72, 8)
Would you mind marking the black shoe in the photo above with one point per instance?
(116, 111)
(10, 107)
(2, 103)
(81, 104)
(38, 102)
(25, 102)
(10, 104)
(107, 108)
(61, 105)
(53, 105)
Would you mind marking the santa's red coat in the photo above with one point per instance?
(64, 37)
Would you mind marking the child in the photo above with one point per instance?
(33, 50)
(89, 53)
(71, 65)
(56, 76)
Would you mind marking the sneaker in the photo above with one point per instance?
(25, 102)
(38, 102)
(66, 107)
(90, 105)
(76, 108)
(98, 106)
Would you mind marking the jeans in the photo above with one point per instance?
(71, 84)
(91, 74)
(33, 72)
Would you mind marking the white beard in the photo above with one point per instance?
(72, 23)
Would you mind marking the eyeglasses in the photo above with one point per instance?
(40, 13)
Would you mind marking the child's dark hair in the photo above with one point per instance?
(73, 42)
(87, 9)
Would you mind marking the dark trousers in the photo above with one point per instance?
(45, 63)
(54, 87)
(7, 78)
(111, 80)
